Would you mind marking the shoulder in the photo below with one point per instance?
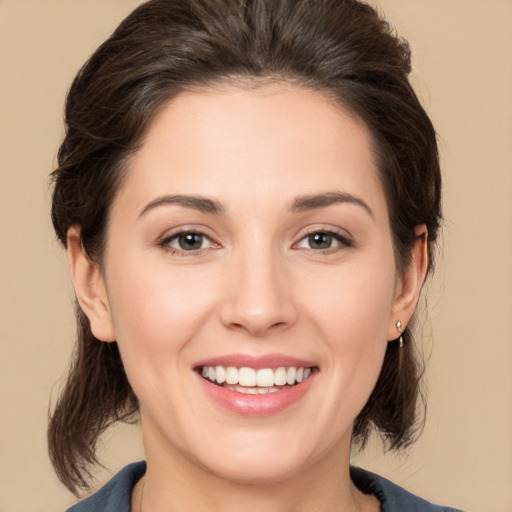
(392, 497)
(114, 496)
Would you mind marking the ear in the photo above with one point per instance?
(89, 286)
(409, 284)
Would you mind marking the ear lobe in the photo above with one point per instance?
(89, 287)
(409, 284)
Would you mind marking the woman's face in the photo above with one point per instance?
(251, 232)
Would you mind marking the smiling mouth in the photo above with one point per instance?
(255, 381)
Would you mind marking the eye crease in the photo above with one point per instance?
(187, 241)
(323, 240)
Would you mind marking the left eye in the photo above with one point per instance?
(187, 241)
(322, 240)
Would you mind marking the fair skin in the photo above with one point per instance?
(251, 223)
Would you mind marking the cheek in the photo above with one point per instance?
(352, 320)
(353, 303)
(156, 310)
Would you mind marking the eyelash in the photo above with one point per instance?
(343, 240)
(166, 241)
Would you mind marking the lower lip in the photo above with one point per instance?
(257, 405)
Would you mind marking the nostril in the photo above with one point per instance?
(237, 327)
(258, 328)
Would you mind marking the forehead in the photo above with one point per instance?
(260, 143)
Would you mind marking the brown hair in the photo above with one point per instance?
(340, 47)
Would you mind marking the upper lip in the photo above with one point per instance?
(256, 362)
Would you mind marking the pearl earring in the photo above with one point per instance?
(400, 330)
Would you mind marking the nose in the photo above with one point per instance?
(259, 295)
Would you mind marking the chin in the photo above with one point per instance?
(263, 470)
(263, 458)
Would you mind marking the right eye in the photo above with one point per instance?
(187, 241)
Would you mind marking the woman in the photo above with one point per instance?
(249, 194)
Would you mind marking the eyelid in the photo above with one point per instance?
(341, 236)
(165, 240)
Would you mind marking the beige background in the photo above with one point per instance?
(463, 73)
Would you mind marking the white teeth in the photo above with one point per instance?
(290, 376)
(262, 379)
(253, 390)
(220, 374)
(231, 375)
(280, 376)
(247, 377)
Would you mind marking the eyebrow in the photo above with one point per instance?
(199, 203)
(299, 204)
(310, 202)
